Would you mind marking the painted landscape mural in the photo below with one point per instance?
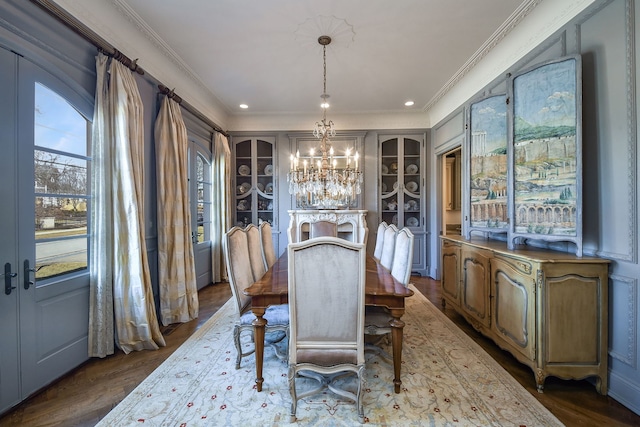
(488, 119)
(545, 150)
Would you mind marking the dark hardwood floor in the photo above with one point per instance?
(85, 395)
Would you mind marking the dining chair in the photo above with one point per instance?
(258, 267)
(323, 228)
(377, 252)
(388, 246)
(235, 246)
(378, 319)
(403, 256)
(326, 308)
(268, 250)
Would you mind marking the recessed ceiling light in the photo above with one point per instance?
(408, 103)
(244, 106)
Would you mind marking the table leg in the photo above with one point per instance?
(397, 326)
(258, 337)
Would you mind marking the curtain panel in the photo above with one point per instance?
(221, 203)
(176, 267)
(119, 255)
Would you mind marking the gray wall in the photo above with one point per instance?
(607, 37)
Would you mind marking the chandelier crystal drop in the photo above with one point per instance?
(317, 181)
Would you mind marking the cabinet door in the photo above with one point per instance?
(513, 306)
(450, 279)
(254, 181)
(475, 285)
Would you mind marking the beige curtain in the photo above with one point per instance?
(101, 334)
(176, 268)
(221, 203)
(120, 258)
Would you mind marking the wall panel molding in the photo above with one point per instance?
(627, 286)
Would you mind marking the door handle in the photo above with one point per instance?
(27, 274)
(8, 275)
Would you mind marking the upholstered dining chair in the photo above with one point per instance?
(323, 228)
(377, 252)
(388, 246)
(403, 256)
(235, 246)
(258, 267)
(326, 308)
(378, 319)
(268, 250)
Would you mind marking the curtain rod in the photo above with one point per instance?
(172, 95)
(105, 47)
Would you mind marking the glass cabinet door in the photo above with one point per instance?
(401, 181)
(254, 181)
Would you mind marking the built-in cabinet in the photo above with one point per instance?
(549, 309)
(402, 189)
(255, 182)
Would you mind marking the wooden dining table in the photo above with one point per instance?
(382, 290)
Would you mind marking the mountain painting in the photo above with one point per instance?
(545, 150)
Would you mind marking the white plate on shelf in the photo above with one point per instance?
(244, 170)
(395, 185)
(242, 205)
(246, 187)
(384, 187)
(412, 169)
(268, 170)
(260, 186)
(413, 221)
(412, 186)
(384, 169)
(394, 220)
(269, 188)
(413, 205)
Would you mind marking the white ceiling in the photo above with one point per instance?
(265, 53)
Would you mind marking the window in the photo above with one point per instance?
(62, 187)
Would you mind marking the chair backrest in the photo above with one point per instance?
(388, 246)
(255, 251)
(236, 253)
(322, 229)
(326, 301)
(268, 250)
(403, 256)
(377, 252)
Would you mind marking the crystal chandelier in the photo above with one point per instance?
(317, 181)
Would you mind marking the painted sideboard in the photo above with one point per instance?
(548, 309)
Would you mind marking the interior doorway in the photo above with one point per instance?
(452, 192)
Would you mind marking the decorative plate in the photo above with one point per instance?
(412, 186)
(242, 205)
(394, 220)
(413, 221)
(260, 186)
(412, 169)
(384, 169)
(239, 189)
(244, 170)
(246, 187)
(269, 188)
(395, 185)
(268, 170)
(384, 187)
(394, 167)
(413, 205)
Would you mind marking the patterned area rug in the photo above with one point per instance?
(447, 380)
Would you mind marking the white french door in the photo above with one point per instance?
(44, 303)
